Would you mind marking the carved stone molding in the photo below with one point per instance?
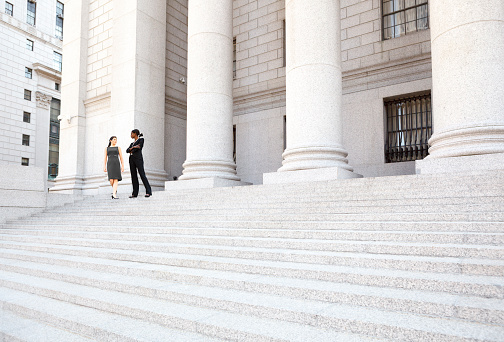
(43, 100)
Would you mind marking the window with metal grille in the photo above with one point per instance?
(59, 19)
(401, 17)
(29, 44)
(25, 161)
(28, 72)
(409, 127)
(26, 117)
(9, 8)
(32, 9)
(57, 61)
(27, 95)
(26, 140)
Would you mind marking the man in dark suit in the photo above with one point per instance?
(136, 163)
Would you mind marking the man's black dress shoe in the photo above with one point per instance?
(133, 196)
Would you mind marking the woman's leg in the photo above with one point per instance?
(145, 182)
(114, 187)
(134, 177)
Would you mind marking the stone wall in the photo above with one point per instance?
(23, 192)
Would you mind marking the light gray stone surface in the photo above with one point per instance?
(417, 257)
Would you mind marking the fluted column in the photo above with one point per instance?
(210, 91)
(468, 77)
(314, 86)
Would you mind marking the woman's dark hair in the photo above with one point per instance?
(110, 140)
(137, 132)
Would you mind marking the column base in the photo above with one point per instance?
(481, 162)
(202, 183)
(312, 175)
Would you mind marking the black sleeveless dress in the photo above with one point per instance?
(113, 163)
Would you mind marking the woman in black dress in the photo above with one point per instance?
(112, 155)
(136, 163)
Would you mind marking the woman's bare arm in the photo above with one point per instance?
(105, 162)
(122, 161)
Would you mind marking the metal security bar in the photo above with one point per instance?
(409, 127)
(401, 17)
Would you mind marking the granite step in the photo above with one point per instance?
(169, 210)
(307, 312)
(214, 323)
(459, 284)
(470, 266)
(426, 225)
(374, 247)
(83, 320)
(18, 328)
(124, 233)
(362, 217)
(262, 305)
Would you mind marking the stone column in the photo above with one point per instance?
(467, 40)
(73, 91)
(314, 92)
(138, 81)
(209, 161)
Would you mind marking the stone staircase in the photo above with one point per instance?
(409, 258)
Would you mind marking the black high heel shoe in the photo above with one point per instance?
(114, 197)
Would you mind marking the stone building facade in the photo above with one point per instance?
(250, 91)
(31, 36)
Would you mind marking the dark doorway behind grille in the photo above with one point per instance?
(409, 127)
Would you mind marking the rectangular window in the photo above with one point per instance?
(234, 143)
(59, 19)
(25, 161)
(26, 117)
(29, 44)
(32, 10)
(234, 57)
(56, 86)
(26, 140)
(57, 61)
(28, 73)
(284, 31)
(9, 8)
(54, 134)
(409, 127)
(27, 95)
(400, 17)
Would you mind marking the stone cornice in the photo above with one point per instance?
(259, 101)
(175, 107)
(97, 103)
(390, 72)
(50, 73)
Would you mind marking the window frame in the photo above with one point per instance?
(23, 159)
(30, 44)
(26, 117)
(60, 10)
(11, 9)
(28, 73)
(57, 63)
(394, 12)
(31, 15)
(29, 93)
(25, 140)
